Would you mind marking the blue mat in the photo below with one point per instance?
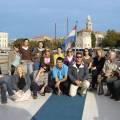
(61, 108)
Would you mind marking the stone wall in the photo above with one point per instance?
(4, 67)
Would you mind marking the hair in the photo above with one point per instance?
(25, 39)
(40, 42)
(84, 51)
(60, 48)
(99, 50)
(80, 53)
(44, 65)
(112, 51)
(69, 50)
(22, 67)
(60, 59)
(16, 46)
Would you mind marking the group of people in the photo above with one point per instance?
(39, 70)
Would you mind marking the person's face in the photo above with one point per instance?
(59, 63)
(112, 55)
(99, 53)
(19, 70)
(59, 50)
(47, 52)
(16, 49)
(70, 52)
(86, 52)
(78, 58)
(43, 69)
(26, 43)
(40, 44)
(37, 54)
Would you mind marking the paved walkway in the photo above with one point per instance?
(100, 108)
(96, 108)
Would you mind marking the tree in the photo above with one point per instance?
(111, 39)
(93, 38)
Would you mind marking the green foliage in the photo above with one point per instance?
(112, 39)
(53, 44)
(93, 38)
(33, 44)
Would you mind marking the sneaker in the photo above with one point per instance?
(82, 95)
(3, 102)
(42, 93)
(108, 94)
(34, 97)
(13, 97)
(59, 92)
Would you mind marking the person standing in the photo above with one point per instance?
(69, 58)
(14, 58)
(58, 54)
(26, 56)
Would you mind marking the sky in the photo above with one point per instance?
(29, 18)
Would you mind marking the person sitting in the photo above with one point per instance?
(40, 81)
(108, 71)
(4, 87)
(21, 82)
(97, 66)
(59, 74)
(78, 75)
(114, 86)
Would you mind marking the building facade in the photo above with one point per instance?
(84, 36)
(99, 38)
(3, 40)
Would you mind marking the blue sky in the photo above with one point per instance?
(28, 18)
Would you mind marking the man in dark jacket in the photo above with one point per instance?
(78, 75)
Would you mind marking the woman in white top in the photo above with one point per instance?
(14, 59)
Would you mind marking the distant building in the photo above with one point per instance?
(42, 38)
(99, 38)
(3, 40)
(84, 36)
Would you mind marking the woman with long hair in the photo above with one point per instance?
(21, 84)
(69, 58)
(47, 59)
(97, 66)
(87, 58)
(40, 81)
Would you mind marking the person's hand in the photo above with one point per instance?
(93, 68)
(77, 82)
(57, 84)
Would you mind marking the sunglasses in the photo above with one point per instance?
(78, 56)
(44, 68)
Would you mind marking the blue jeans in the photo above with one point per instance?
(28, 67)
(5, 86)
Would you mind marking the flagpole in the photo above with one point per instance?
(55, 31)
(67, 26)
(76, 35)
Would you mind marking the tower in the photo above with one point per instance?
(89, 23)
